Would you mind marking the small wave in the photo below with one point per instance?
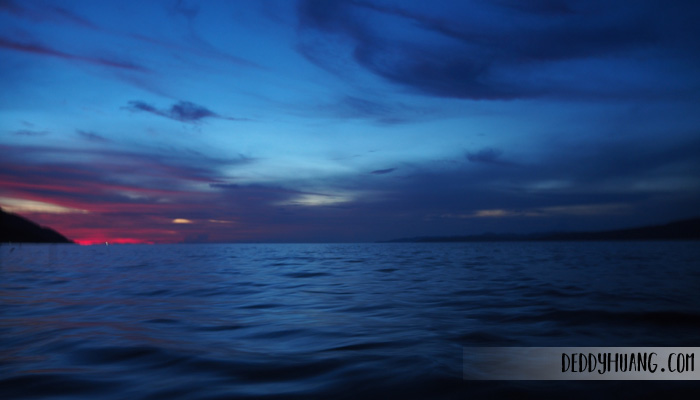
(119, 354)
(162, 321)
(157, 292)
(45, 385)
(588, 317)
(484, 338)
(306, 274)
(219, 328)
(340, 321)
(253, 372)
(262, 306)
(363, 346)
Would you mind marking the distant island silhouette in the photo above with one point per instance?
(16, 229)
(687, 229)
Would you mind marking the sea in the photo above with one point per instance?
(365, 321)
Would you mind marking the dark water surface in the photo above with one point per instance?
(329, 320)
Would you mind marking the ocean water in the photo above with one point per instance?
(330, 320)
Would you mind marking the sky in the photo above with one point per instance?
(347, 121)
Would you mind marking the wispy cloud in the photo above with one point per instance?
(92, 136)
(111, 174)
(383, 171)
(50, 52)
(551, 211)
(183, 111)
(16, 205)
(268, 193)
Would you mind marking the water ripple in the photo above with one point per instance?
(326, 321)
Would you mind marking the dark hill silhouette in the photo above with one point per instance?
(687, 229)
(16, 229)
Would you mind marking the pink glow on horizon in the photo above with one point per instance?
(92, 241)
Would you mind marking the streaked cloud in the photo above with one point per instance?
(552, 211)
(183, 111)
(315, 200)
(16, 205)
(92, 136)
(383, 171)
(42, 50)
(492, 213)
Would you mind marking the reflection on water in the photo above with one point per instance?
(377, 320)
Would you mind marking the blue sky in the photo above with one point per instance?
(172, 121)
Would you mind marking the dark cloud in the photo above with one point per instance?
(496, 50)
(141, 106)
(552, 31)
(47, 51)
(183, 111)
(92, 136)
(457, 76)
(383, 171)
(187, 112)
(487, 155)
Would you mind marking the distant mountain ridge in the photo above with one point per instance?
(16, 229)
(687, 229)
